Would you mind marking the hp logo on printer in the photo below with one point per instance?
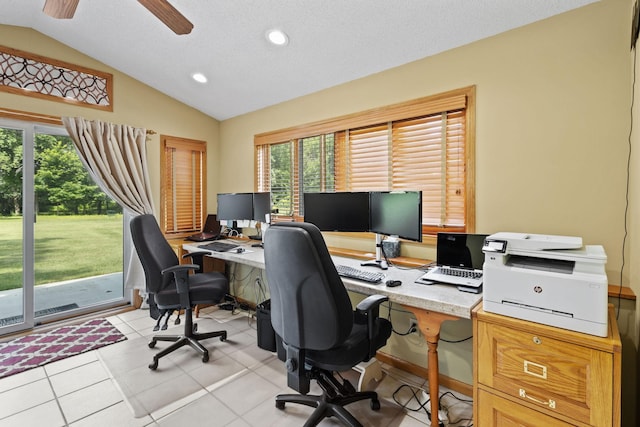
(537, 289)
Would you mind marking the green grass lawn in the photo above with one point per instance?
(67, 247)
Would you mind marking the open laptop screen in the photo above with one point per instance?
(460, 250)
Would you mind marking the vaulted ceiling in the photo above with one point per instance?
(330, 41)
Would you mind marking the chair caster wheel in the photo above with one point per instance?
(375, 404)
(205, 358)
(195, 327)
(223, 337)
(153, 365)
(152, 343)
(279, 405)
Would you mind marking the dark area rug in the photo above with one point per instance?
(35, 350)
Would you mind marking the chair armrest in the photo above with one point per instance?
(367, 312)
(179, 268)
(370, 302)
(181, 276)
(197, 258)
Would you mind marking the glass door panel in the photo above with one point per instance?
(16, 300)
(78, 233)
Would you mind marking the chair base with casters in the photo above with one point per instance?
(331, 403)
(190, 338)
(186, 285)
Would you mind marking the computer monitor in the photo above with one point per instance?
(235, 206)
(347, 212)
(396, 213)
(261, 207)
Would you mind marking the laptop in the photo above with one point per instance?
(459, 260)
(210, 231)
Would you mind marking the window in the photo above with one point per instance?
(183, 185)
(425, 144)
(292, 168)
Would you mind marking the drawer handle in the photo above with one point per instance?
(535, 369)
(550, 403)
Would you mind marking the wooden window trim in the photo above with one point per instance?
(418, 107)
(30, 117)
(108, 78)
(450, 100)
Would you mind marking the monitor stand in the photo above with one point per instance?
(258, 235)
(379, 261)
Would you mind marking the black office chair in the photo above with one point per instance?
(311, 312)
(173, 288)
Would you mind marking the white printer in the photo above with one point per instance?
(552, 280)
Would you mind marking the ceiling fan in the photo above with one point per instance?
(162, 9)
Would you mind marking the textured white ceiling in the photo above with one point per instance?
(331, 41)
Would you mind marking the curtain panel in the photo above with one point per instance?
(115, 156)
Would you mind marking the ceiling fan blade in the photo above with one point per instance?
(169, 15)
(60, 9)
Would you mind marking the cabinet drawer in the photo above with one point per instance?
(494, 411)
(556, 376)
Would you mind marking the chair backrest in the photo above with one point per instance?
(310, 307)
(154, 251)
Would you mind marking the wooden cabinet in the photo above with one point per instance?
(528, 374)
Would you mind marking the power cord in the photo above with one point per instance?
(443, 410)
(626, 207)
(442, 414)
(390, 308)
(456, 341)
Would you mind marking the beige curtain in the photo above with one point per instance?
(115, 156)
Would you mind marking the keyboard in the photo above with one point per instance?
(454, 276)
(218, 246)
(354, 273)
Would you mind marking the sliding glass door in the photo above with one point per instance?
(61, 236)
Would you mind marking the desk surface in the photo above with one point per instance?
(438, 298)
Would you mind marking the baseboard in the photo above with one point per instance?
(412, 368)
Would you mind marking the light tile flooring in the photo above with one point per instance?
(79, 391)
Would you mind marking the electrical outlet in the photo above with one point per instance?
(413, 325)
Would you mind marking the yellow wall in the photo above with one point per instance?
(552, 125)
(135, 104)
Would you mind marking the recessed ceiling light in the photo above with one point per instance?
(199, 77)
(277, 37)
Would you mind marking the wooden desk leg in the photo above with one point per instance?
(429, 323)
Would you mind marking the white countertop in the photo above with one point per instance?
(438, 298)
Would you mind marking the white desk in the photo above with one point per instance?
(431, 304)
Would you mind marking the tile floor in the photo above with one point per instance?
(80, 391)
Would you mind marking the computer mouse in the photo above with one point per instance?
(239, 250)
(393, 283)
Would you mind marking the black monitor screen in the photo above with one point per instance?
(261, 206)
(348, 212)
(396, 213)
(460, 250)
(235, 206)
